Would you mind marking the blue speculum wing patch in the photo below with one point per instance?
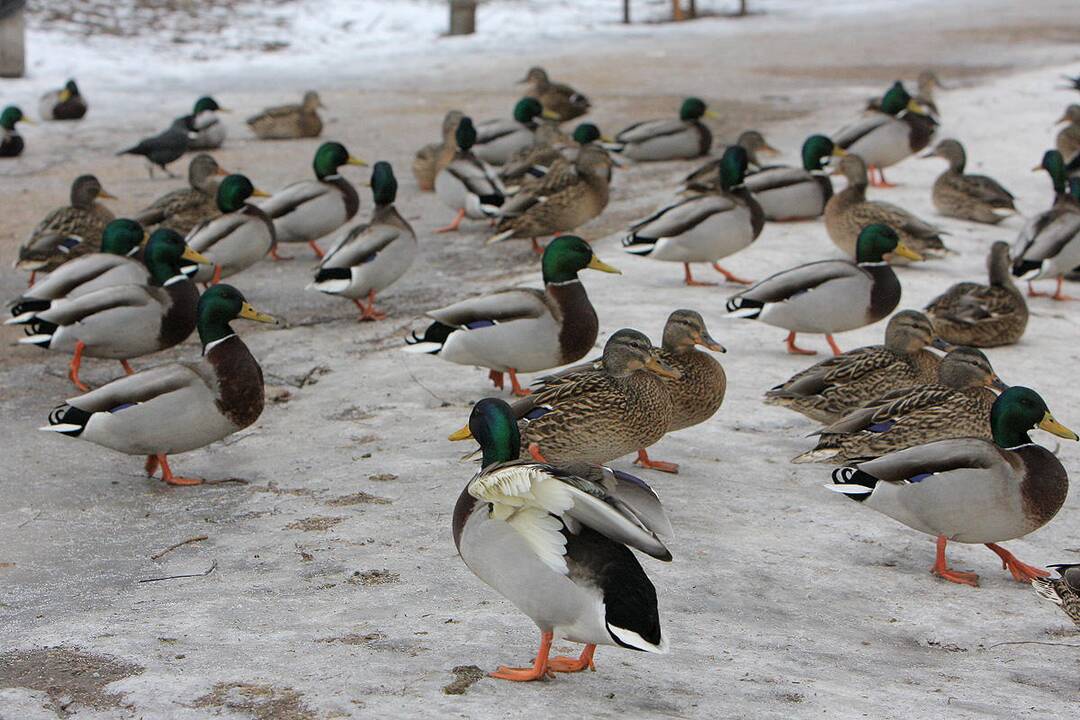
(920, 477)
(537, 412)
(125, 406)
(881, 427)
(479, 324)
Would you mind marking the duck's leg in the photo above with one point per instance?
(563, 664)
(128, 370)
(315, 249)
(795, 349)
(369, 312)
(730, 277)
(537, 247)
(538, 671)
(690, 281)
(881, 182)
(496, 378)
(1057, 293)
(167, 474)
(534, 452)
(455, 224)
(33, 277)
(1021, 572)
(941, 569)
(278, 258)
(217, 275)
(76, 363)
(645, 461)
(515, 386)
(832, 343)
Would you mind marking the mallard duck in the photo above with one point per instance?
(369, 258)
(703, 228)
(433, 157)
(11, 143)
(597, 416)
(957, 405)
(185, 208)
(468, 184)
(208, 132)
(67, 103)
(848, 212)
(123, 321)
(681, 139)
(552, 539)
(163, 148)
(562, 100)
(1063, 591)
(114, 265)
(521, 329)
(68, 232)
(1068, 138)
(971, 490)
(240, 237)
(789, 193)
(982, 315)
(832, 388)
(925, 84)
(699, 391)
(181, 406)
(1049, 244)
(705, 177)
(286, 122)
(969, 197)
(309, 209)
(564, 201)
(829, 296)
(885, 137)
(498, 140)
(550, 145)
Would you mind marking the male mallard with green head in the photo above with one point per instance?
(672, 139)
(11, 142)
(467, 184)
(241, 236)
(67, 103)
(207, 130)
(498, 140)
(1049, 244)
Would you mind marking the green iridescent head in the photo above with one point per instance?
(733, 165)
(493, 426)
(205, 104)
(1019, 410)
(465, 135)
(566, 255)
(383, 183)
(816, 151)
(876, 241)
(330, 156)
(11, 115)
(586, 133)
(896, 100)
(122, 237)
(692, 108)
(527, 109)
(166, 252)
(1053, 162)
(233, 192)
(220, 305)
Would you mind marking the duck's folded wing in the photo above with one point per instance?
(208, 233)
(849, 134)
(72, 310)
(1054, 236)
(642, 131)
(475, 177)
(138, 388)
(494, 129)
(776, 178)
(278, 111)
(677, 218)
(293, 196)
(891, 406)
(932, 458)
(852, 364)
(987, 188)
(499, 306)
(804, 278)
(360, 245)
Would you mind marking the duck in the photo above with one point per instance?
(703, 228)
(1049, 244)
(968, 197)
(11, 142)
(971, 490)
(116, 264)
(550, 145)
(123, 321)
(433, 157)
(498, 140)
(596, 416)
(554, 540)
(979, 315)
(207, 130)
(848, 212)
(704, 178)
(180, 406)
(521, 329)
(832, 388)
(67, 103)
(884, 137)
(563, 101)
(467, 184)
(957, 405)
(565, 200)
(287, 122)
(788, 193)
(70, 231)
(925, 84)
(829, 296)
(682, 139)
(239, 237)
(309, 209)
(185, 208)
(1063, 591)
(368, 258)
(1067, 141)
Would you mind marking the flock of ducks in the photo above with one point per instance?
(937, 442)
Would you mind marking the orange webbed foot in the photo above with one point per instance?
(1021, 572)
(794, 349)
(521, 674)
(645, 461)
(563, 664)
(957, 576)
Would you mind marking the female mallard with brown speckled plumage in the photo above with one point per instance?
(70, 231)
(181, 406)
(596, 417)
(433, 157)
(285, 122)
(1064, 590)
(706, 177)
(674, 139)
(832, 388)
(183, 209)
(562, 100)
(957, 406)
(1068, 139)
(971, 490)
(969, 197)
(848, 212)
(982, 315)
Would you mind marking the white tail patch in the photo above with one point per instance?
(35, 340)
(849, 489)
(634, 640)
(331, 287)
(639, 249)
(62, 428)
(422, 347)
(22, 318)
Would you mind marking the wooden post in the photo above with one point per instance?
(12, 38)
(626, 11)
(462, 17)
(676, 10)
(693, 9)
(742, 8)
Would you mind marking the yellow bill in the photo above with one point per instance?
(259, 193)
(915, 107)
(1050, 425)
(106, 195)
(550, 115)
(839, 151)
(195, 256)
(905, 252)
(248, 312)
(712, 115)
(356, 161)
(463, 434)
(598, 264)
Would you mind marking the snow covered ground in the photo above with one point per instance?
(336, 590)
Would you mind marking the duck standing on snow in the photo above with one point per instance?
(181, 406)
(11, 142)
(369, 258)
(521, 329)
(681, 139)
(468, 184)
(185, 208)
(703, 228)
(498, 140)
(208, 132)
(287, 122)
(553, 540)
(968, 197)
(240, 237)
(1049, 244)
(562, 100)
(68, 232)
(433, 157)
(829, 296)
(789, 193)
(165, 147)
(67, 103)
(971, 490)
(704, 178)
(307, 210)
